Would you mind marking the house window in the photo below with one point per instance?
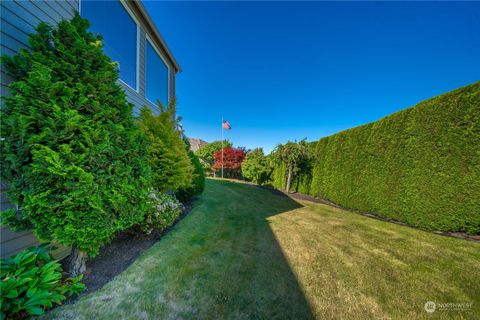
(116, 24)
(156, 76)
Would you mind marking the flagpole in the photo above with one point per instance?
(222, 147)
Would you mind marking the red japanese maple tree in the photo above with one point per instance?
(232, 161)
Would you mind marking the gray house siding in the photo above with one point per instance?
(18, 19)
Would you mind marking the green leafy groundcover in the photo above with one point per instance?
(32, 281)
(420, 166)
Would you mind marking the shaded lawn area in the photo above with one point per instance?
(249, 253)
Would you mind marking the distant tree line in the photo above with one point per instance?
(254, 165)
(212, 158)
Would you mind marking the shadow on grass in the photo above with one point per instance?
(274, 291)
(222, 261)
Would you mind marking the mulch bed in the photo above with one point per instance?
(117, 256)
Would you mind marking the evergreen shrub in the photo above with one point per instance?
(72, 155)
(167, 155)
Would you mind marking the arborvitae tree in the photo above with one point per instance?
(167, 155)
(198, 182)
(71, 153)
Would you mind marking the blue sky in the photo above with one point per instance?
(281, 71)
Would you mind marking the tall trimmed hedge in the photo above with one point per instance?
(420, 166)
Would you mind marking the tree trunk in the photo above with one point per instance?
(289, 178)
(78, 261)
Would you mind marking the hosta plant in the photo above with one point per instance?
(32, 281)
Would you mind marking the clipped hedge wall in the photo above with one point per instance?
(420, 166)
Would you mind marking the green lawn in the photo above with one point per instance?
(248, 253)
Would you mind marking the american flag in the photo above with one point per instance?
(226, 125)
